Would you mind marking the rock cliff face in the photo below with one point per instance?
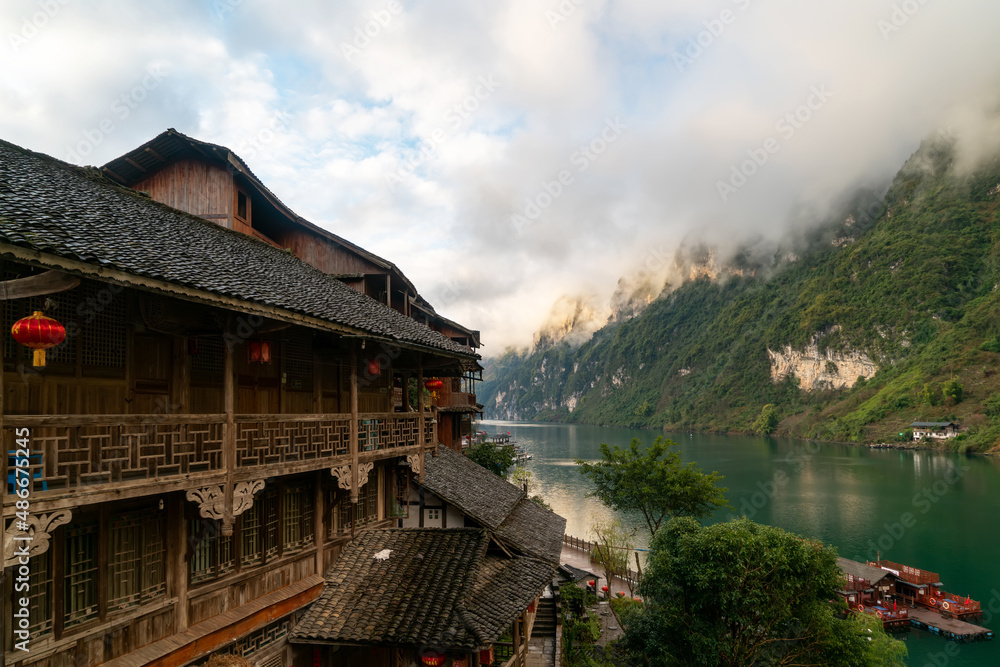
(816, 370)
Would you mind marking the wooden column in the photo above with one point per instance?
(319, 520)
(420, 409)
(317, 383)
(229, 432)
(180, 392)
(516, 640)
(354, 424)
(177, 543)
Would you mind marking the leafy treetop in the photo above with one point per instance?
(653, 482)
(742, 593)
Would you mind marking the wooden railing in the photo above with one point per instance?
(907, 573)
(77, 452)
(631, 576)
(456, 399)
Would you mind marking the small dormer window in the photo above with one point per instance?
(242, 206)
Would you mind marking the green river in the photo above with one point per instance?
(930, 510)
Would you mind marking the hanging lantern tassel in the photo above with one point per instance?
(39, 333)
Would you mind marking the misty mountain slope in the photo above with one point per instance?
(851, 340)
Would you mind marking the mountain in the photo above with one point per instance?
(886, 315)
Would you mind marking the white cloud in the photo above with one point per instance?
(323, 130)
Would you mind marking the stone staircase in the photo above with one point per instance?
(545, 620)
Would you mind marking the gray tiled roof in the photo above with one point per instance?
(534, 529)
(472, 488)
(438, 588)
(862, 570)
(75, 213)
(495, 503)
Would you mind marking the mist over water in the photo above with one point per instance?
(931, 510)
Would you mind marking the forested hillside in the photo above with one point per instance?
(888, 315)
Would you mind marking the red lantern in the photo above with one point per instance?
(259, 352)
(486, 656)
(434, 385)
(39, 333)
(460, 662)
(374, 368)
(604, 588)
(592, 583)
(433, 659)
(531, 607)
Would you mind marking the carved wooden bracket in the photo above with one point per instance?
(212, 499)
(34, 540)
(364, 469)
(344, 478)
(415, 461)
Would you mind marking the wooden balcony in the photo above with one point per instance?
(135, 455)
(456, 399)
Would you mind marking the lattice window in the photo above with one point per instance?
(299, 361)
(272, 524)
(211, 553)
(208, 359)
(102, 328)
(292, 508)
(40, 595)
(308, 524)
(81, 578)
(345, 512)
(154, 571)
(136, 570)
(251, 552)
(367, 510)
(125, 561)
(270, 634)
(399, 505)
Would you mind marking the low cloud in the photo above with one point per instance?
(697, 89)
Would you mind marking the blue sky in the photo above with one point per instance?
(525, 162)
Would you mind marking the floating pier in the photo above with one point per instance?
(949, 628)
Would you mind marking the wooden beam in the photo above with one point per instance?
(354, 423)
(229, 432)
(49, 282)
(154, 154)
(136, 165)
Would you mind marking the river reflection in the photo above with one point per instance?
(858, 500)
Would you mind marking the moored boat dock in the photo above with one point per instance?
(949, 628)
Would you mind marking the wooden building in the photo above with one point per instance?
(468, 564)
(220, 420)
(934, 430)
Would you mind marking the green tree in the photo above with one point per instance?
(498, 459)
(952, 391)
(928, 395)
(653, 482)
(741, 593)
(613, 546)
(767, 421)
